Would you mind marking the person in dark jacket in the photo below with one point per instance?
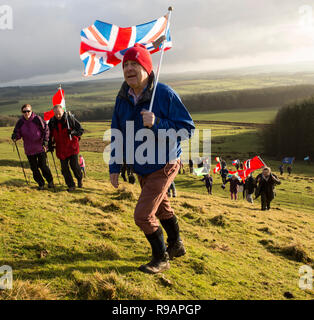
(266, 182)
(35, 134)
(208, 183)
(289, 170)
(155, 175)
(65, 133)
(281, 169)
(234, 183)
(224, 173)
(249, 188)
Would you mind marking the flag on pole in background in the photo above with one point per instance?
(200, 171)
(58, 98)
(103, 45)
(234, 162)
(217, 168)
(254, 163)
(288, 160)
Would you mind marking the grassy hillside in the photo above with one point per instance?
(85, 245)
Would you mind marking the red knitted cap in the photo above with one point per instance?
(141, 55)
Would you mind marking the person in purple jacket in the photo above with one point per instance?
(35, 134)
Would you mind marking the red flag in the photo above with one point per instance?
(254, 163)
(58, 98)
(217, 168)
(48, 115)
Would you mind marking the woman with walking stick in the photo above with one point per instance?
(35, 134)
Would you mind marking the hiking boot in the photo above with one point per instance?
(176, 249)
(175, 245)
(41, 187)
(71, 189)
(79, 184)
(51, 185)
(160, 261)
(157, 265)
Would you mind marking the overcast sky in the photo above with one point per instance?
(43, 45)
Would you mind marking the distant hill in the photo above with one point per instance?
(201, 92)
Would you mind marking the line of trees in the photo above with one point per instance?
(246, 99)
(204, 102)
(292, 131)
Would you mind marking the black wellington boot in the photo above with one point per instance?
(175, 244)
(160, 261)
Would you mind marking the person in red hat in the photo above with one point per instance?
(155, 177)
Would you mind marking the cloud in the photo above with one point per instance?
(46, 35)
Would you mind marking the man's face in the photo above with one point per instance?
(266, 173)
(58, 111)
(135, 75)
(27, 112)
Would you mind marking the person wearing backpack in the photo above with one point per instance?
(65, 133)
(35, 134)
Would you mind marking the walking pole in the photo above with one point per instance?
(160, 61)
(18, 152)
(53, 158)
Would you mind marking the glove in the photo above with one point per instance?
(71, 132)
(14, 137)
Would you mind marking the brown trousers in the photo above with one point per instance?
(153, 202)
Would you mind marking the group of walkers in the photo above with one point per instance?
(153, 212)
(281, 170)
(62, 133)
(263, 185)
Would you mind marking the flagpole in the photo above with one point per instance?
(70, 136)
(160, 61)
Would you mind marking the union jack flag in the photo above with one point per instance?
(103, 45)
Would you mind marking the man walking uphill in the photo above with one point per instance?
(35, 134)
(65, 132)
(156, 174)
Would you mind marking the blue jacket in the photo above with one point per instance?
(170, 113)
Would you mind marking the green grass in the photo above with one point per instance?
(85, 245)
(239, 115)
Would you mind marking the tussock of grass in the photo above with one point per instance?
(113, 207)
(103, 286)
(265, 230)
(25, 290)
(90, 201)
(199, 267)
(293, 252)
(203, 222)
(125, 194)
(187, 205)
(219, 221)
(105, 251)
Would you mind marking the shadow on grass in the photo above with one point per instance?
(22, 267)
(13, 163)
(14, 183)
